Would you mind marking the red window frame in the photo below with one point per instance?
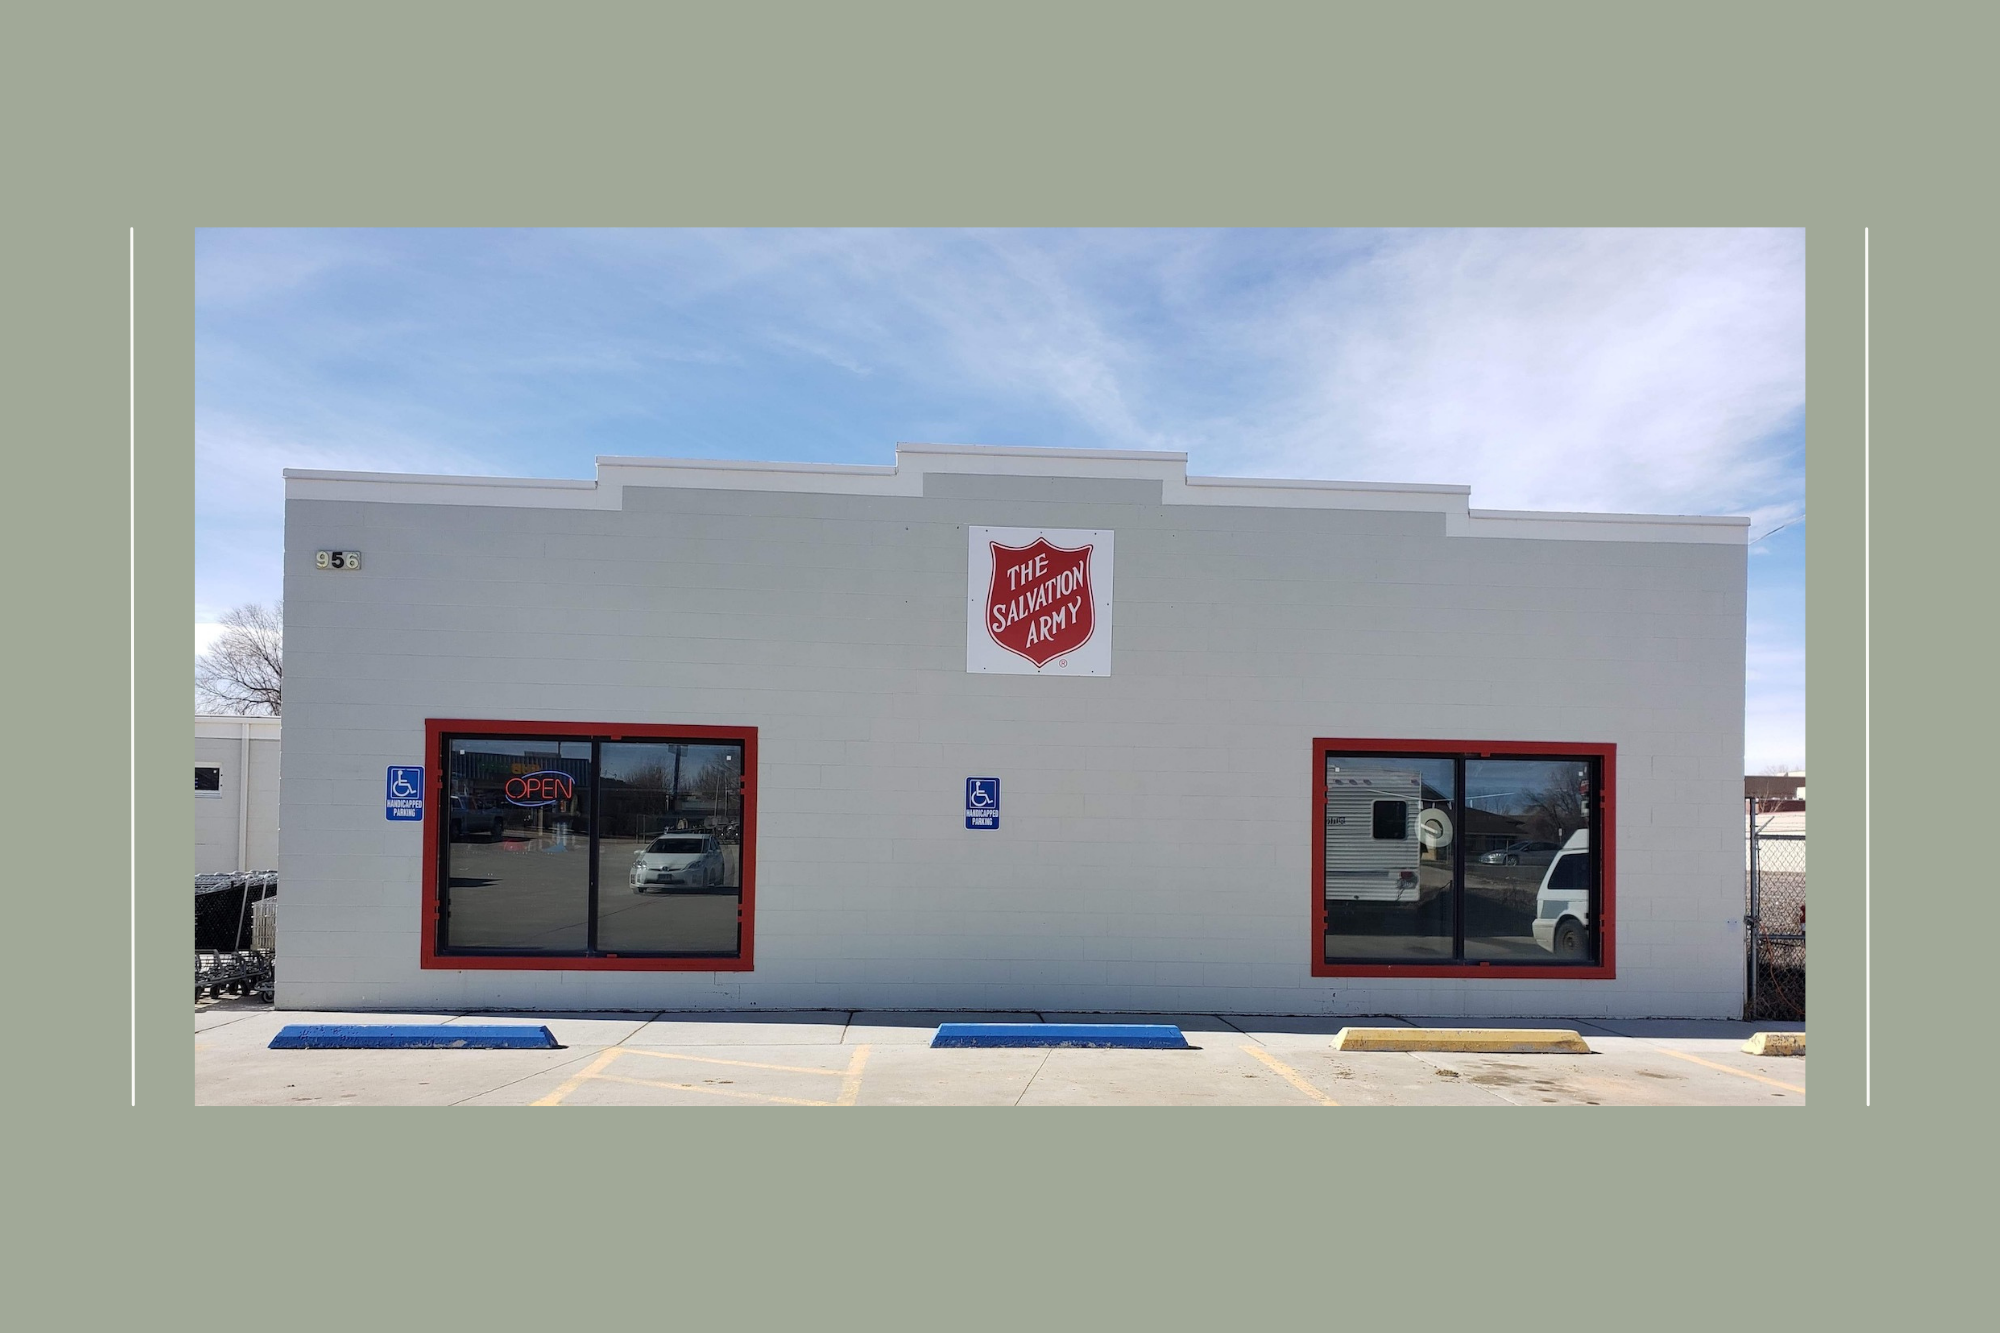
(436, 729)
(1605, 969)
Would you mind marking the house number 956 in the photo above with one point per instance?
(339, 560)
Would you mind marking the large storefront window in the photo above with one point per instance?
(517, 845)
(1389, 871)
(672, 840)
(1443, 858)
(574, 846)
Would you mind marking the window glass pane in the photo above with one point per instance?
(207, 779)
(670, 847)
(1529, 880)
(1390, 825)
(1392, 821)
(517, 845)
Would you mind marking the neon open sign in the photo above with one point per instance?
(543, 788)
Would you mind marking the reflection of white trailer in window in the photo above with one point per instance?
(1372, 848)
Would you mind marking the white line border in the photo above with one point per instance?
(1867, 729)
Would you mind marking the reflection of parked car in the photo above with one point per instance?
(1562, 904)
(467, 821)
(1521, 854)
(676, 860)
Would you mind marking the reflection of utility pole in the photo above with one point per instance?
(674, 795)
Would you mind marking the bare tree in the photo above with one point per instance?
(718, 782)
(243, 672)
(1556, 811)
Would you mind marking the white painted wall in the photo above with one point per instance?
(1156, 836)
(237, 828)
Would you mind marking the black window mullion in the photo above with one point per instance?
(590, 909)
(1595, 824)
(440, 932)
(1458, 860)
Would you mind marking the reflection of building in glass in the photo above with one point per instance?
(1489, 830)
(674, 788)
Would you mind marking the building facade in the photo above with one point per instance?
(1005, 729)
(236, 794)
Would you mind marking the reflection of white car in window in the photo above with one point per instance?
(678, 860)
(1562, 904)
(1521, 854)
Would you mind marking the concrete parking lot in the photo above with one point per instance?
(843, 1058)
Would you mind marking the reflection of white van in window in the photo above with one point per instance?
(1562, 904)
(1372, 845)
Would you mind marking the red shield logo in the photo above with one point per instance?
(1039, 602)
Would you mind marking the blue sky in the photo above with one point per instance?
(1632, 371)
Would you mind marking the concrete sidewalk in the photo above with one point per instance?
(862, 1058)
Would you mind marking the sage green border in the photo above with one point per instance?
(168, 118)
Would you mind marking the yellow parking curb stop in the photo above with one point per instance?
(1776, 1043)
(1511, 1041)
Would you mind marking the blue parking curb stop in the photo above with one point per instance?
(413, 1036)
(1130, 1036)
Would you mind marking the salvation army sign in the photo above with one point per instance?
(1039, 604)
(1038, 601)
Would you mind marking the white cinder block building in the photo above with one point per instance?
(235, 794)
(1005, 729)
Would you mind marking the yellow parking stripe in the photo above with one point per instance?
(718, 1060)
(850, 1077)
(850, 1082)
(1291, 1075)
(1740, 1073)
(576, 1080)
(712, 1092)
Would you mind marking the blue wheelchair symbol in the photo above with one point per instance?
(404, 794)
(982, 795)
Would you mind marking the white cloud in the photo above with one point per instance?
(1774, 710)
(240, 498)
(999, 318)
(240, 465)
(1652, 371)
(1622, 371)
(242, 267)
(1774, 736)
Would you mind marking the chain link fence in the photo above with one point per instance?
(1775, 918)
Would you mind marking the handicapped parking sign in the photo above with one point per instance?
(404, 793)
(982, 803)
